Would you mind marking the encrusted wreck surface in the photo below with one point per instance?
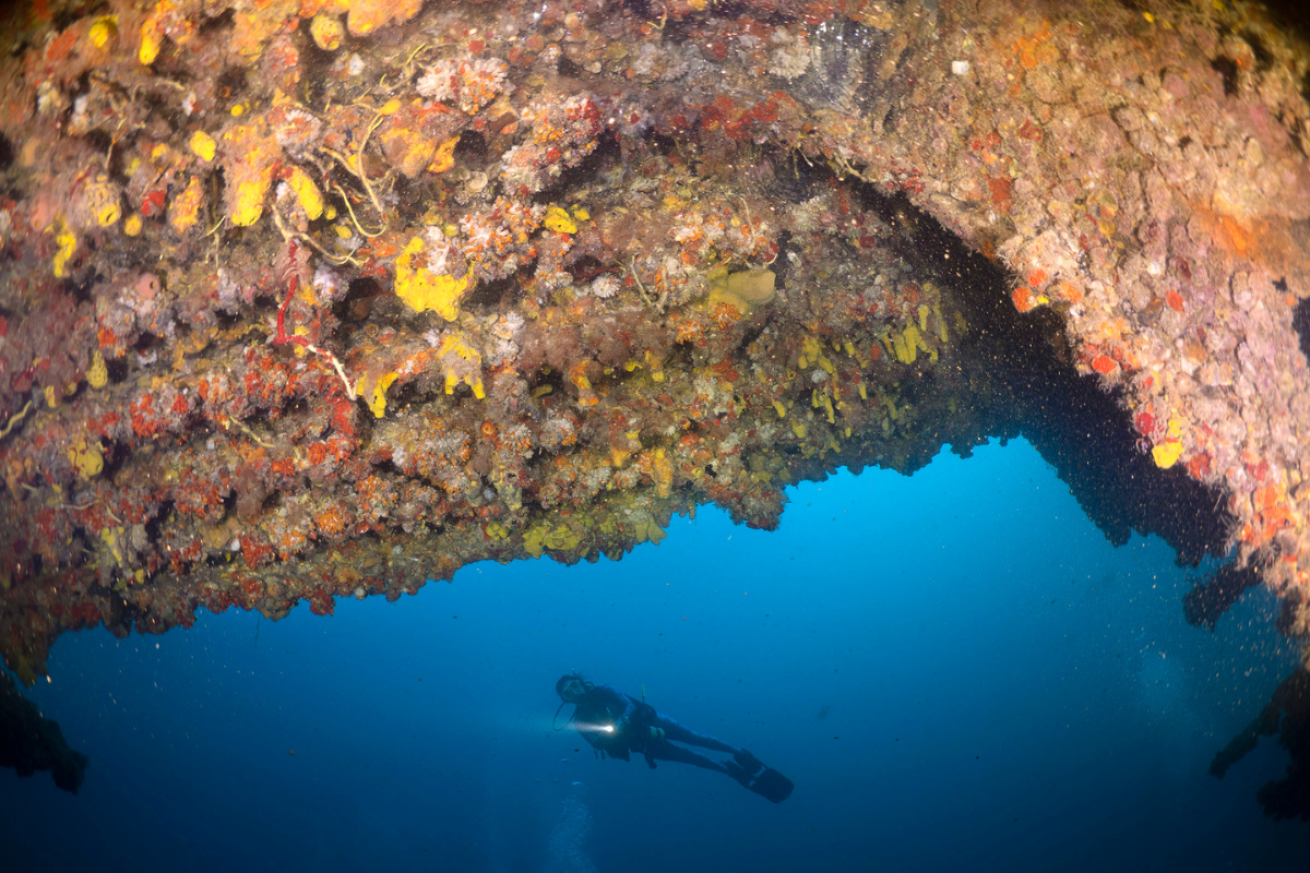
(303, 299)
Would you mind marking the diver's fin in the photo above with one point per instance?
(772, 784)
(738, 772)
(749, 762)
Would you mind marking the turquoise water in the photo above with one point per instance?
(956, 670)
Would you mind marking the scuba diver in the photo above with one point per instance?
(616, 724)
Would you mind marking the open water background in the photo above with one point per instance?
(956, 669)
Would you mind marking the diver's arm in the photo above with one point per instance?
(590, 722)
(592, 737)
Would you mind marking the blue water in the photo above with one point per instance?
(956, 669)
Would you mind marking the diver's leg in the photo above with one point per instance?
(683, 734)
(662, 750)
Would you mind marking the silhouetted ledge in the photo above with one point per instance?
(29, 742)
(1288, 715)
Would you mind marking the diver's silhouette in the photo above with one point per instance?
(616, 724)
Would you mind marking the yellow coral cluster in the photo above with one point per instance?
(444, 158)
(104, 29)
(112, 537)
(366, 16)
(248, 205)
(97, 375)
(746, 290)
(311, 199)
(1166, 454)
(647, 530)
(661, 470)
(184, 211)
(455, 344)
(567, 533)
(820, 398)
(250, 164)
(422, 290)
(907, 344)
(327, 31)
(102, 202)
(560, 537)
(67, 245)
(86, 459)
(652, 361)
(203, 146)
(377, 403)
(151, 41)
(405, 144)
(559, 221)
(812, 353)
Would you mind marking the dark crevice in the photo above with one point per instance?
(388, 468)
(403, 396)
(1263, 59)
(117, 369)
(229, 87)
(547, 376)
(566, 67)
(489, 294)
(146, 342)
(471, 150)
(210, 26)
(1301, 324)
(664, 145)
(316, 70)
(1034, 391)
(607, 148)
(781, 266)
(357, 303)
(157, 521)
(643, 9)
(258, 418)
(796, 179)
(409, 205)
(115, 457)
(586, 268)
(80, 291)
(229, 506)
(226, 320)
(1226, 67)
(1292, 15)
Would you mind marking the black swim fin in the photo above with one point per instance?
(749, 762)
(772, 784)
(769, 783)
(738, 772)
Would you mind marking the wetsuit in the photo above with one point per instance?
(605, 705)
